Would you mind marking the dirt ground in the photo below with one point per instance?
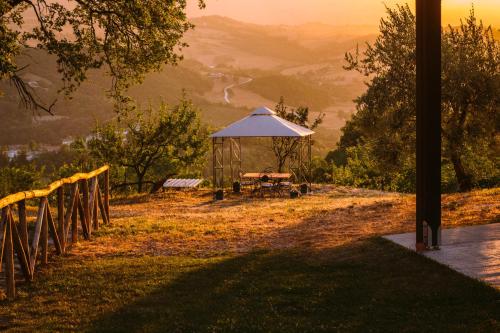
(192, 224)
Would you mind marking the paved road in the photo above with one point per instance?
(234, 85)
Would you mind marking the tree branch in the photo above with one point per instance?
(28, 98)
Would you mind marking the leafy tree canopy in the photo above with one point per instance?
(149, 145)
(129, 38)
(383, 129)
(284, 147)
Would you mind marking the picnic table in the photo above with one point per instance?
(270, 175)
(276, 182)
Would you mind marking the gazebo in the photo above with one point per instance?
(428, 119)
(261, 123)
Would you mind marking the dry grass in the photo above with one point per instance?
(192, 224)
(180, 262)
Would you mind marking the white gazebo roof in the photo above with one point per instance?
(263, 122)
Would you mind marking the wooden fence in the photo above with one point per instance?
(22, 248)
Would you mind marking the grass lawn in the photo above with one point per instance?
(180, 263)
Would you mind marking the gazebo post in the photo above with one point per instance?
(231, 170)
(235, 159)
(309, 167)
(214, 181)
(218, 163)
(300, 148)
(301, 161)
(222, 166)
(238, 156)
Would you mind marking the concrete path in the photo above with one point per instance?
(473, 251)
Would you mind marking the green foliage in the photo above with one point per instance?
(143, 148)
(17, 174)
(129, 38)
(284, 147)
(21, 173)
(337, 157)
(15, 179)
(299, 116)
(321, 170)
(379, 141)
(8, 38)
(148, 145)
(360, 170)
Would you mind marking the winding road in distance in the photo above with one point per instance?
(234, 85)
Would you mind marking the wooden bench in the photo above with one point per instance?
(182, 183)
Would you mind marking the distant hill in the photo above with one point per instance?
(270, 46)
(89, 104)
(249, 64)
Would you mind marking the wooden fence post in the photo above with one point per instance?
(45, 234)
(9, 259)
(74, 219)
(94, 185)
(3, 231)
(101, 207)
(95, 212)
(81, 213)
(3, 239)
(36, 235)
(20, 250)
(60, 218)
(53, 230)
(71, 214)
(86, 209)
(106, 194)
(23, 226)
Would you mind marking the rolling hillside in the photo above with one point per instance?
(230, 68)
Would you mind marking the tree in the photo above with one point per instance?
(129, 38)
(153, 144)
(384, 124)
(284, 147)
(17, 174)
(471, 95)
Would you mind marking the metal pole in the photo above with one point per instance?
(231, 169)
(222, 163)
(301, 161)
(214, 161)
(428, 122)
(309, 173)
(239, 158)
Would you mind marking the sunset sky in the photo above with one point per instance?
(336, 12)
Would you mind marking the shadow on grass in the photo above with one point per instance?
(370, 285)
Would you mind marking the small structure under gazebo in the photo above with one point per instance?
(262, 123)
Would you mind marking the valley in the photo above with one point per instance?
(229, 68)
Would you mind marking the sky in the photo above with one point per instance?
(334, 12)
